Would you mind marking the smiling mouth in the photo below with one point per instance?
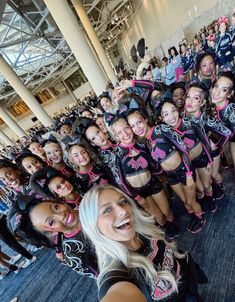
(124, 224)
(70, 218)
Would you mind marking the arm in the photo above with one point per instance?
(125, 292)
(204, 139)
(80, 257)
(176, 140)
(218, 127)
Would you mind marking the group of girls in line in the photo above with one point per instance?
(174, 143)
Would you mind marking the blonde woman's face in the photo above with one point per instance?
(115, 219)
(53, 153)
(123, 132)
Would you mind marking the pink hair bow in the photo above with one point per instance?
(211, 37)
(223, 19)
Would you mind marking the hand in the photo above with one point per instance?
(124, 85)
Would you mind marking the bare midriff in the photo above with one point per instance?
(139, 180)
(196, 151)
(172, 162)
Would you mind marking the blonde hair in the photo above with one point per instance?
(112, 254)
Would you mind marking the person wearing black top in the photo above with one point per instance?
(136, 263)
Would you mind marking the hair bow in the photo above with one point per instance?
(211, 38)
(80, 125)
(123, 108)
(109, 118)
(74, 140)
(223, 19)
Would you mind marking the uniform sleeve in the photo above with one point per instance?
(148, 86)
(218, 127)
(111, 278)
(176, 140)
(80, 257)
(119, 176)
(204, 139)
(231, 114)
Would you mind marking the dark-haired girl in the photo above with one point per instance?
(224, 48)
(37, 149)
(178, 91)
(195, 101)
(197, 143)
(135, 164)
(187, 60)
(221, 94)
(106, 150)
(40, 221)
(30, 163)
(56, 183)
(167, 149)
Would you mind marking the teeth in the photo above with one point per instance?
(122, 223)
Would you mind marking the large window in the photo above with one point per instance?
(76, 79)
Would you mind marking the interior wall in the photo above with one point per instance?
(162, 22)
(53, 106)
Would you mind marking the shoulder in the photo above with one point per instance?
(112, 280)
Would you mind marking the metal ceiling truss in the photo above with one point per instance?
(33, 49)
(32, 44)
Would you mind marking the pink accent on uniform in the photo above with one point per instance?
(189, 143)
(158, 153)
(74, 232)
(139, 163)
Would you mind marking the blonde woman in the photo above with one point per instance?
(135, 261)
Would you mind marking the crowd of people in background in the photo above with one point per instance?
(118, 160)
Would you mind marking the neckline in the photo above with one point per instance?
(74, 232)
(178, 124)
(221, 107)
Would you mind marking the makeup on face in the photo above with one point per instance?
(194, 100)
(123, 132)
(53, 152)
(11, 177)
(138, 124)
(79, 156)
(96, 136)
(61, 186)
(54, 217)
(31, 164)
(170, 114)
(221, 91)
(115, 219)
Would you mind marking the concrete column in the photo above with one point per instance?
(5, 116)
(5, 139)
(94, 40)
(24, 93)
(51, 92)
(69, 90)
(70, 29)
